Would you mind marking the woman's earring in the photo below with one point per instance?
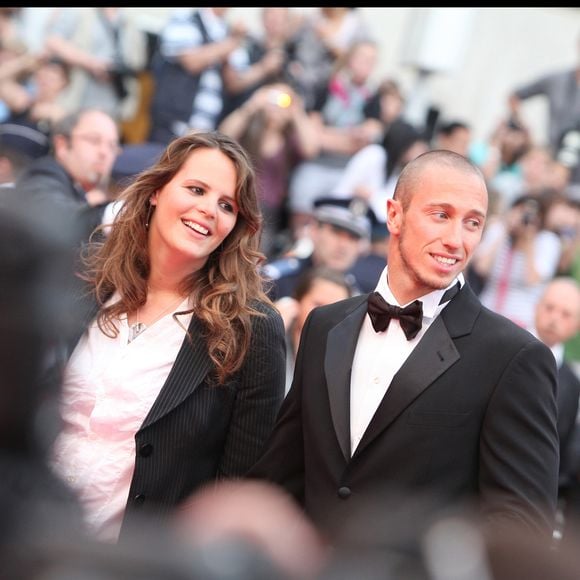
(149, 214)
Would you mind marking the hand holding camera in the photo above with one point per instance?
(530, 214)
(280, 98)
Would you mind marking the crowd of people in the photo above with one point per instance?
(259, 297)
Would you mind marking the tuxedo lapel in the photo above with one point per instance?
(434, 354)
(340, 349)
(189, 370)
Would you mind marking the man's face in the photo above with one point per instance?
(89, 152)
(335, 247)
(434, 239)
(558, 313)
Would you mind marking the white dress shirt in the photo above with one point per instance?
(109, 387)
(379, 355)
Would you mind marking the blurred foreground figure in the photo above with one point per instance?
(34, 263)
(424, 537)
(253, 528)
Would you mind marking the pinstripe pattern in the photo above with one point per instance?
(196, 432)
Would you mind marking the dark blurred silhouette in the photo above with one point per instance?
(35, 263)
(225, 520)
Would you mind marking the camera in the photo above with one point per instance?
(280, 98)
(528, 218)
(531, 213)
(514, 124)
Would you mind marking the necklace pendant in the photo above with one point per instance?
(135, 330)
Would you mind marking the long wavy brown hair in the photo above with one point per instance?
(224, 293)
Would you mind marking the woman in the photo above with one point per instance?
(344, 126)
(317, 286)
(373, 171)
(178, 379)
(277, 133)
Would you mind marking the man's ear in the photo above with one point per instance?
(394, 216)
(59, 141)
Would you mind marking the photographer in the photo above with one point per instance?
(274, 128)
(105, 50)
(261, 59)
(516, 258)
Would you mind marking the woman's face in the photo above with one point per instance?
(322, 292)
(196, 210)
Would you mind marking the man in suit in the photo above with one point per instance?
(74, 177)
(464, 408)
(557, 319)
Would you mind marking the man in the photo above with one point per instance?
(449, 411)
(75, 176)
(187, 69)
(339, 232)
(557, 320)
(19, 145)
(561, 90)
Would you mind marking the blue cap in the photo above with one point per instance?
(135, 158)
(24, 140)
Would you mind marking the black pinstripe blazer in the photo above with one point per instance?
(197, 432)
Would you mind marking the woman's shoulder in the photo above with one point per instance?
(267, 314)
(264, 307)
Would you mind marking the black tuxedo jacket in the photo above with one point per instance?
(197, 432)
(568, 396)
(471, 415)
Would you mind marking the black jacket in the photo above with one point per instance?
(45, 180)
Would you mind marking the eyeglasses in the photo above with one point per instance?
(98, 141)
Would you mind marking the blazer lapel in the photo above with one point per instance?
(189, 370)
(340, 349)
(434, 354)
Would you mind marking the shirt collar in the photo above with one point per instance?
(430, 301)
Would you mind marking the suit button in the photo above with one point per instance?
(145, 450)
(344, 492)
(139, 499)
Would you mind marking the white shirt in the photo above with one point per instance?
(109, 387)
(379, 356)
(558, 350)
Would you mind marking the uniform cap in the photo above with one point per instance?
(352, 214)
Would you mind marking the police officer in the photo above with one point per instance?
(340, 234)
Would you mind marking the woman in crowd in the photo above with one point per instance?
(275, 130)
(180, 373)
(317, 286)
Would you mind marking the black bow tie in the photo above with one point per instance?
(410, 317)
(381, 312)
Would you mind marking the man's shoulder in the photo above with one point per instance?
(506, 336)
(335, 311)
(44, 168)
(568, 375)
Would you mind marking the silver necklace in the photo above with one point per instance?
(140, 327)
(135, 330)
